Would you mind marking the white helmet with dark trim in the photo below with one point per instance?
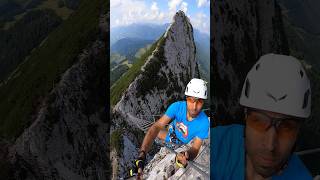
(197, 88)
(278, 83)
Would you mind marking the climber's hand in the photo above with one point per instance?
(182, 159)
(140, 173)
(137, 170)
(138, 165)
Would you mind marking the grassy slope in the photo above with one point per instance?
(116, 71)
(34, 79)
(123, 83)
(63, 12)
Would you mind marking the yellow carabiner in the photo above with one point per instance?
(180, 165)
(137, 163)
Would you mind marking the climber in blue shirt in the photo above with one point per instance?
(276, 98)
(187, 122)
(184, 130)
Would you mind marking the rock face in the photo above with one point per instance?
(165, 74)
(242, 32)
(162, 81)
(162, 165)
(68, 139)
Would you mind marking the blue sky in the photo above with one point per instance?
(125, 12)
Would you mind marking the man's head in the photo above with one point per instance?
(277, 97)
(196, 92)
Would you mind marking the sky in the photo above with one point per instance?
(125, 12)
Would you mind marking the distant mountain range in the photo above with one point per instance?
(150, 32)
(139, 31)
(129, 46)
(127, 40)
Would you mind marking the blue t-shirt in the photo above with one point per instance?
(227, 159)
(187, 130)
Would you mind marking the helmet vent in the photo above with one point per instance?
(306, 98)
(205, 93)
(247, 88)
(301, 73)
(276, 99)
(257, 67)
(272, 97)
(282, 98)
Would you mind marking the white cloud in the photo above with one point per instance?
(184, 7)
(173, 4)
(125, 12)
(154, 7)
(115, 3)
(161, 16)
(202, 3)
(201, 22)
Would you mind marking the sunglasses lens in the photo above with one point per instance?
(200, 101)
(287, 128)
(190, 99)
(259, 123)
(193, 100)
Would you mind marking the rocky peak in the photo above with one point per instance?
(165, 73)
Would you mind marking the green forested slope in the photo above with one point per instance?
(33, 79)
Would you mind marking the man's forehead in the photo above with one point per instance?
(194, 97)
(271, 113)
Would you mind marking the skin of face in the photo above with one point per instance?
(266, 151)
(193, 109)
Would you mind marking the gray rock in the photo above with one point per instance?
(242, 32)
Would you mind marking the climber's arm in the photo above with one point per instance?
(191, 153)
(153, 132)
(194, 150)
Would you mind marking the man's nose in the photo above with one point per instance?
(194, 105)
(271, 139)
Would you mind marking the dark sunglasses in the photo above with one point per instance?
(286, 127)
(191, 99)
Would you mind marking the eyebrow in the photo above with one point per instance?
(296, 119)
(269, 116)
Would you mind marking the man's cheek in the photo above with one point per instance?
(253, 141)
(286, 148)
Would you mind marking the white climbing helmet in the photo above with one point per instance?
(197, 88)
(278, 83)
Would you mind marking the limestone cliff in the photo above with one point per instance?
(241, 33)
